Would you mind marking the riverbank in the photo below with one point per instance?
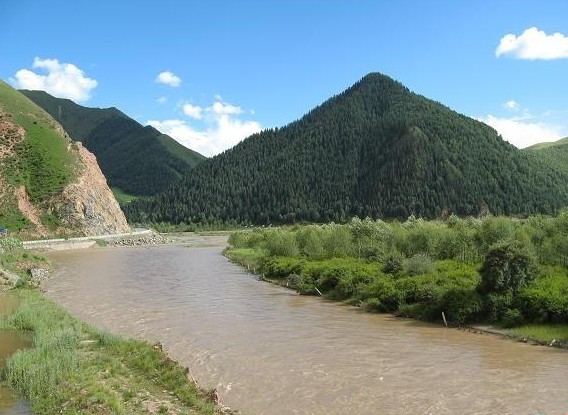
(253, 259)
(76, 368)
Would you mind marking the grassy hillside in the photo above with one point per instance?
(375, 150)
(136, 159)
(40, 161)
(554, 154)
(548, 144)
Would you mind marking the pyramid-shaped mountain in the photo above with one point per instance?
(375, 150)
(136, 159)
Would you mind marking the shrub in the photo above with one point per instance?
(512, 318)
(497, 304)
(281, 242)
(462, 305)
(418, 264)
(508, 266)
(393, 264)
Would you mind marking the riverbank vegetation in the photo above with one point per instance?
(74, 368)
(504, 271)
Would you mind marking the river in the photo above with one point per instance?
(270, 351)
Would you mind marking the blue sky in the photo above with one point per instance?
(210, 73)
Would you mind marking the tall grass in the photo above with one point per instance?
(558, 332)
(74, 368)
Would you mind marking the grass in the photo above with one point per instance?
(74, 368)
(42, 162)
(246, 257)
(543, 332)
(121, 196)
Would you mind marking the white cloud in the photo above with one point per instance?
(63, 80)
(534, 44)
(511, 105)
(168, 78)
(221, 108)
(522, 133)
(222, 128)
(193, 111)
(162, 100)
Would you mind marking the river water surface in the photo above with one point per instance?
(270, 351)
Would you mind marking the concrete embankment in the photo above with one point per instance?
(85, 241)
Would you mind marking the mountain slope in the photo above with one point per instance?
(554, 153)
(48, 184)
(139, 160)
(377, 150)
(548, 144)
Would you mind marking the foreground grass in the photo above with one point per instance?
(76, 369)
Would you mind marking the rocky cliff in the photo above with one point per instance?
(88, 204)
(49, 185)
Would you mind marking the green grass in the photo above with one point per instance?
(74, 368)
(121, 196)
(543, 332)
(246, 257)
(42, 163)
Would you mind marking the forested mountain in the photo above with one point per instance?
(375, 150)
(553, 153)
(136, 159)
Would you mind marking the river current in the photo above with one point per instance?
(270, 351)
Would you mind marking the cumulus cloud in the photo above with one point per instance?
(63, 80)
(222, 129)
(534, 44)
(522, 132)
(162, 100)
(193, 111)
(511, 105)
(168, 78)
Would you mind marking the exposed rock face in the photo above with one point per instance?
(88, 205)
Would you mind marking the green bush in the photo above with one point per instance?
(462, 305)
(393, 264)
(280, 242)
(418, 264)
(547, 299)
(508, 266)
(496, 305)
(512, 318)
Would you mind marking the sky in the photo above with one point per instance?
(210, 73)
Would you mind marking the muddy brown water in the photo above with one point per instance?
(270, 351)
(10, 342)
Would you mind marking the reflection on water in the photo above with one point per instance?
(10, 342)
(269, 351)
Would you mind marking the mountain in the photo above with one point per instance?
(136, 159)
(375, 150)
(48, 184)
(548, 144)
(554, 153)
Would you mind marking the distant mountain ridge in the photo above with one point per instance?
(377, 150)
(137, 159)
